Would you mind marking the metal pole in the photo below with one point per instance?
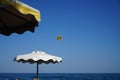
(37, 70)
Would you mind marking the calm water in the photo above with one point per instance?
(61, 76)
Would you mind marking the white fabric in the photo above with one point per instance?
(40, 56)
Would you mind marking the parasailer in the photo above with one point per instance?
(59, 37)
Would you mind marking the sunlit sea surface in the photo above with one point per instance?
(61, 76)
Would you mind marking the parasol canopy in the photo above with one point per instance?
(17, 17)
(38, 57)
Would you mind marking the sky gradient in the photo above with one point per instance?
(90, 31)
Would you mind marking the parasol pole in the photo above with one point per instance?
(37, 69)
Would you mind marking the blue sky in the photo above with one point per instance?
(90, 31)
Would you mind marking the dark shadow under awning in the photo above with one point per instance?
(12, 21)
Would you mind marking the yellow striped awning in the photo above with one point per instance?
(22, 7)
(17, 17)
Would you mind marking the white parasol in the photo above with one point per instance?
(38, 57)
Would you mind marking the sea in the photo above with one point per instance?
(61, 76)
